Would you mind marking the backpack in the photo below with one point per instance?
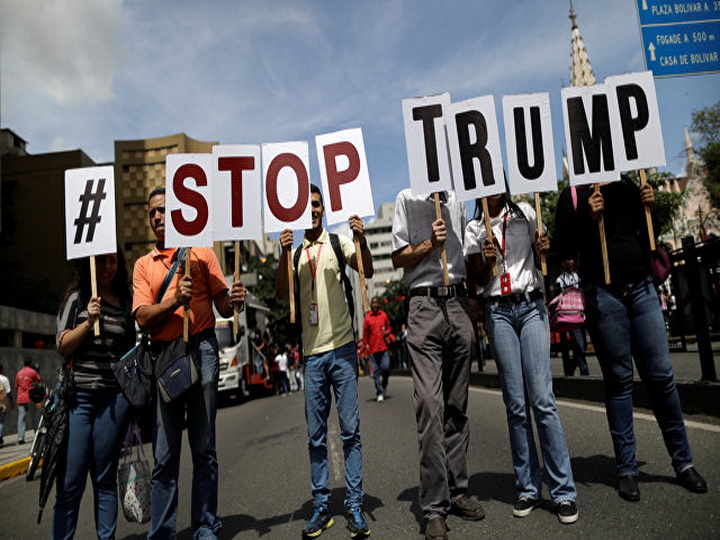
(567, 310)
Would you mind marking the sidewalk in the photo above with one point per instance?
(697, 397)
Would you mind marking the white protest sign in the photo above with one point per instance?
(236, 192)
(634, 106)
(475, 151)
(286, 181)
(426, 143)
(529, 143)
(589, 134)
(90, 211)
(344, 174)
(188, 200)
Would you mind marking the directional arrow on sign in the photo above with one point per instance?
(651, 48)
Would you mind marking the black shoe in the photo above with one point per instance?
(628, 487)
(567, 512)
(467, 508)
(21, 442)
(691, 480)
(435, 529)
(524, 506)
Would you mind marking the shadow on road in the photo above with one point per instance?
(238, 523)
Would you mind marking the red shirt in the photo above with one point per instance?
(374, 331)
(23, 382)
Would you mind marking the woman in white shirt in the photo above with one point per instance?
(517, 323)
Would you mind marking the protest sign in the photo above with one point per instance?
(188, 200)
(90, 212)
(90, 217)
(475, 152)
(344, 174)
(286, 186)
(426, 143)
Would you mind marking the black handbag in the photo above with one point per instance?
(134, 374)
(134, 371)
(176, 369)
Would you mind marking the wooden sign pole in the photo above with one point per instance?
(236, 277)
(291, 286)
(648, 215)
(93, 291)
(538, 211)
(443, 253)
(488, 230)
(186, 313)
(603, 243)
(361, 272)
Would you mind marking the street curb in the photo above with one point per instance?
(15, 468)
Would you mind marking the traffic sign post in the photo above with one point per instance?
(680, 38)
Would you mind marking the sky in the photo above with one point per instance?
(84, 73)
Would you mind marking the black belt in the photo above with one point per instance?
(448, 291)
(517, 297)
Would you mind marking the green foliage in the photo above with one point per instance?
(667, 204)
(395, 302)
(706, 123)
(279, 326)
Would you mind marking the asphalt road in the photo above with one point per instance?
(264, 485)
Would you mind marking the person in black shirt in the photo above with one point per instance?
(624, 320)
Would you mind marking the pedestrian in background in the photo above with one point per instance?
(329, 356)
(24, 380)
(97, 416)
(578, 343)
(518, 326)
(625, 321)
(441, 348)
(8, 404)
(375, 328)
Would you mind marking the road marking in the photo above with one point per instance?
(595, 408)
(334, 452)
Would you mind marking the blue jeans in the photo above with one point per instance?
(337, 369)
(521, 335)
(200, 403)
(96, 426)
(23, 410)
(625, 324)
(380, 362)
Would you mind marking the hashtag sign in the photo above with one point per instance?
(94, 218)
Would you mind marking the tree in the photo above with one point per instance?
(279, 327)
(706, 123)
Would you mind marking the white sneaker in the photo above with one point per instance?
(380, 398)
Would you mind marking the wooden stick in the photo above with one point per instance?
(538, 211)
(186, 312)
(488, 231)
(236, 277)
(648, 215)
(443, 252)
(93, 291)
(603, 243)
(361, 272)
(291, 286)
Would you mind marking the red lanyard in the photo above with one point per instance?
(502, 247)
(313, 269)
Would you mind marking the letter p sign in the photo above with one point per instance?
(344, 174)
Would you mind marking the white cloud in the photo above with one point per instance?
(66, 50)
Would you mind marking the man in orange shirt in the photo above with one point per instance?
(23, 382)
(375, 327)
(203, 288)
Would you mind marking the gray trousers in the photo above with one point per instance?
(441, 344)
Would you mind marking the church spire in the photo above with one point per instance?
(581, 73)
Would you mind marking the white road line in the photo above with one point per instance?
(595, 408)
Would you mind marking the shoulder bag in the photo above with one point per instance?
(134, 371)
